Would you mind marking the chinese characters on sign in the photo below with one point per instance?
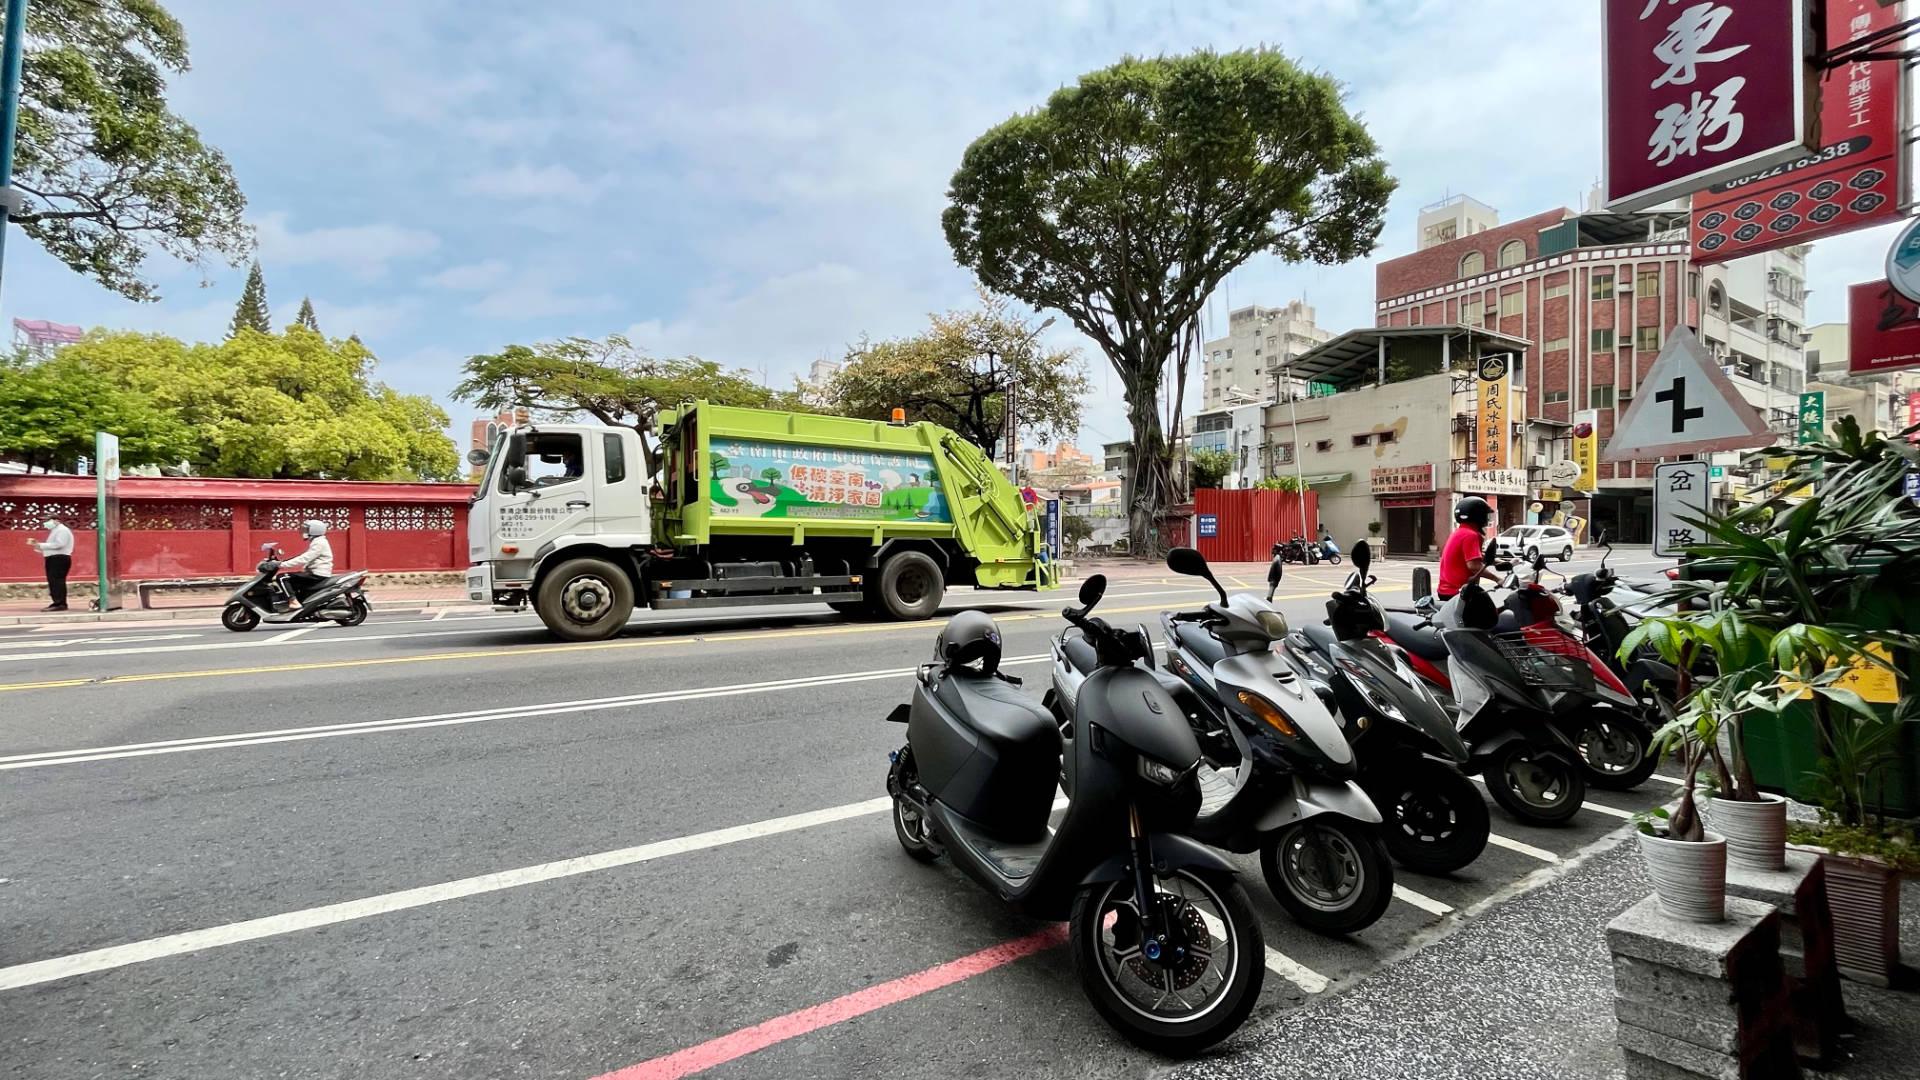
(1699, 91)
(1402, 479)
(1854, 180)
(1490, 435)
(753, 479)
(1470, 481)
(1883, 329)
(1680, 499)
(1586, 449)
(1209, 524)
(1813, 415)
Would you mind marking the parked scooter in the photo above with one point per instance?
(1277, 774)
(1297, 550)
(269, 598)
(1163, 938)
(1607, 610)
(1509, 692)
(1329, 551)
(1409, 753)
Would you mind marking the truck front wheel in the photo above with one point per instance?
(585, 599)
(911, 586)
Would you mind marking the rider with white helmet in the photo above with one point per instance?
(315, 564)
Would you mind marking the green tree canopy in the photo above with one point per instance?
(110, 173)
(252, 313)
(1209, 467)
(50, 411)
(276, 405)
(956, 373)
(306, 317)
(609, 379)
(1125, 200)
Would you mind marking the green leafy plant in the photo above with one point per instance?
(1373, 527)
(1209, 468)
(1646, 820)
(1278, 483)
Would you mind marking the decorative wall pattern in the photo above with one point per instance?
(175, 516)
(289, 517)
(398, 517)
(25, 515)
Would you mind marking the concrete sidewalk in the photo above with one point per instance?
(207, 607)
(1520, 991)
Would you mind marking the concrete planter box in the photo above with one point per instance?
(1689, 878)
(1864, 896)
(1756, 832)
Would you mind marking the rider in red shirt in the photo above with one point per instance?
(1462, 559)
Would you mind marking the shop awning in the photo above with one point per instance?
(1327, 479)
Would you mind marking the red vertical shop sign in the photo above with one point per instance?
(1855, 180)
(1883, 329)
(1701, 92)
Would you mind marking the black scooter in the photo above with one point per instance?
(268, 598)
(1606, 624)
(1163, 937)
(1409, 753)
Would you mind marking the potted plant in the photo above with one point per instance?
(1823, 573)
(1687, 863)
(1373, 527)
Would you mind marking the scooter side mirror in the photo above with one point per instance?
(1187, 561)
(1362, 556)
(1275, 572)
(1422, 583)
(1092, 589)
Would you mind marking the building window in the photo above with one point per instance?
(1559, 344)
(1470, 311)
(1647, 339)
(1693, 284)
(1472, 264)
(1602, 287)
(1513, 253)
(1385, 437)
(1600, 397)
(1513, 303)
(1647, 283)
(1555, 291)
(1229, 354)
(1556, 397)
(1283, 454)
(1363, 440)
(1625, 395)
(1324, 446)
(1602, 339)
(1716, 297)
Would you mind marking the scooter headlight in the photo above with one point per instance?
(1370, 689)
(1274, 623)
(1159, 772)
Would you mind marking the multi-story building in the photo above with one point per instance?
(1452, 218)
(1595, 295)
(481, 434)
(1240, 431)
(1874, 401)
(1247, 364)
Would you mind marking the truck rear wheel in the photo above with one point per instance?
(911, 586)
(585, 599)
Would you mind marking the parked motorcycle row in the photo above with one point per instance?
(1333, 751)
(1301, 550)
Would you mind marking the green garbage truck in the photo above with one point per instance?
(745, 507)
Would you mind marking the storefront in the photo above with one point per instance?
(1506, 489)
(1406, 497)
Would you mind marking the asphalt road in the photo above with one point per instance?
(453, 847)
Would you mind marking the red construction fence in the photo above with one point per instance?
(189, 528)
(1247, 523)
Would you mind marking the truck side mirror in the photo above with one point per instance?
(517, 477)
(516, 449)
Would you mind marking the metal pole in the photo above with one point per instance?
(1299, 478)
(9, 107)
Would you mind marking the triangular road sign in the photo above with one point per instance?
(1685, 405)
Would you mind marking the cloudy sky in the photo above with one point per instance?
(761, 183)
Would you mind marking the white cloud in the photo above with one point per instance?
(364, 250)
(545, 184)
(530, 299)
(471, 276)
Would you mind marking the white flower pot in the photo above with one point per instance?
(1756, 832)
(1690, 878)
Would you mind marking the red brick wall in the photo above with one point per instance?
(1441, 264)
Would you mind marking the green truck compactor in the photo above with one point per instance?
(748, 506)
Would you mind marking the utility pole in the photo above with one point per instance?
(1299, 477)
(1013, 408)
(9, 112)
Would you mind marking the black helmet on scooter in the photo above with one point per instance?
(968, 637)
(1474, 511)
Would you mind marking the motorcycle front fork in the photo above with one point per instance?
(1153, 920)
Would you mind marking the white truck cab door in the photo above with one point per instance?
(620, 511)
(551, 494)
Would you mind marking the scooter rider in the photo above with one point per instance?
(313, 565)
(1463, 560)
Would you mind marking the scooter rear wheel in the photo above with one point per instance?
(239, 618)
(909, 821)
(1536, 788)
(1436, 821)
(358, 613)
(1177, 1004)
(1332, 874)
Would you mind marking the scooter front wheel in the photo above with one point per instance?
(1436, 821)
(1618, 754)
(1537, 788)
(1332, 874)
(239, 618)
(1179, 995)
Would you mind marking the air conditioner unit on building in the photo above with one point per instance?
(1539, 461)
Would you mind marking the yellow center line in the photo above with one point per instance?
(533, 650)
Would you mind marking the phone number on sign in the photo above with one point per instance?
(1826, 154)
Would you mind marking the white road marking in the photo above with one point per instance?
(441, 614)
(1308, 980)
(1423, 902)
(290, 635)
(1525, 849)
(59, 643)
(118, 956)
(1665, 779)
(1610, 811)
(475, 716)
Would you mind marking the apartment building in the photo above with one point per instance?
(1246, 365)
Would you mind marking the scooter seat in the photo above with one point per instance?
(1079, 652)
(1195, 639)
(1001, 714)
(1410, 633)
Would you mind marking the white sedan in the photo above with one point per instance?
(1527, 541)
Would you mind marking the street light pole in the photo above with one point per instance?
(9, 111)
(1013, 408)
(1299, 477)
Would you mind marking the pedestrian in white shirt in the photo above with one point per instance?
(58, 550)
